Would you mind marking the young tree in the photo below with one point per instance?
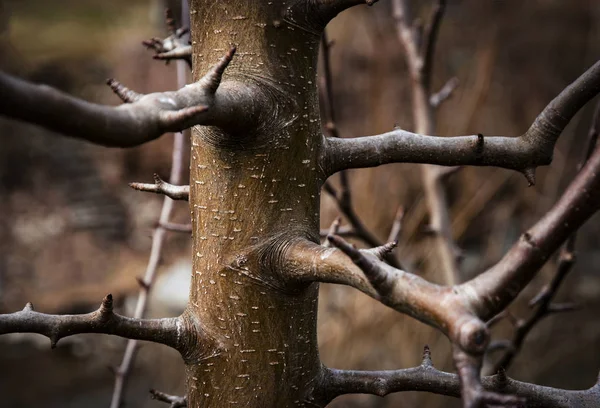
(258, 162)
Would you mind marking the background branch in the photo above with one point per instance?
(524, 153)
(420, 65)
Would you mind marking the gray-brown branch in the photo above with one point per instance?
(145, 118)
(174, 46)
(427, 378)
(162, 187)
(173, 400)
(524, 153)
(167, 331)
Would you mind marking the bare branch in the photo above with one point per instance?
(343, 201)
(206, 102)
(173, 47)
(104, 320)
(445, 93)
(174, 401)
(162, 187)
(174, 227)
(430, 39)
(420, 64)
(427, 378)
(543, 300)
(532, 149)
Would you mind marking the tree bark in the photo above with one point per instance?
(252, 193)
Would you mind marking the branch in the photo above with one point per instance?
(420, 65)
(173, 47)
(543, 301)
(162, 187)
(524, 153)
(164, 331)
(206, 102)
(444, 93)
(174, 401)
(426, 377)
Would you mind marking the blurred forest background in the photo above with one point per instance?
(72, 231)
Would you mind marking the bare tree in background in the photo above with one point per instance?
(258, 162)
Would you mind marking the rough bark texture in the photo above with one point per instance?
(253, 191)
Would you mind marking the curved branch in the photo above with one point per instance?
(167, 331)
(426, 377)
(162, 187)
(206, 102)
(524, 153)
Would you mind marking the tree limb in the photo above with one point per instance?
(206, 102)
(162, 187)
(174, 46)
(524, 153)
(427, 378)
(420, 65)
(167, 331)
(172, 400)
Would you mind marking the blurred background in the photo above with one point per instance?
(72, 231)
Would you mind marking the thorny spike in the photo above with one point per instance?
(383, 250)
(214, 75)
(176, 53)
(170, 119)
(530, 176)
(126, 94)
(426, 361)
(28, 307)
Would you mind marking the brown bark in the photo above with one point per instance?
(252, 193)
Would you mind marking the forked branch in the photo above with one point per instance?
(524, 153)
(166, 331)
(145, 118)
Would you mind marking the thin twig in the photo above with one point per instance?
(420, 64)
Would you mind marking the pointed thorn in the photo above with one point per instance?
(426, 361)
(157, 179)
(383, 250)
(107, 303)
(126, 94)
(530, 176)
(178, 120)
(28, 307)
(214, 75)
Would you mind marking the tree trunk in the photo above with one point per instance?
(253, 192)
